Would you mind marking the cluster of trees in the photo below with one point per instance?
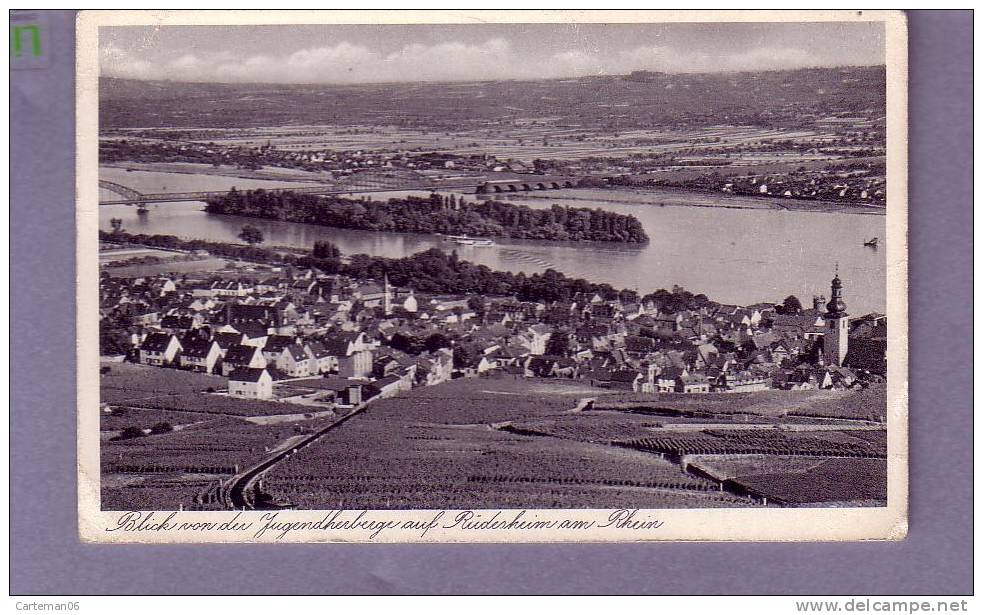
(791, 305)
(113, 338)
(434, 271)
(135, 432)
(228, 250)
(677, 300)
(251, 235)
(435, 214)
(412, 344)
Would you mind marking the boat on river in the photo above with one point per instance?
(478, 243)
(464, 240)
(871, 242)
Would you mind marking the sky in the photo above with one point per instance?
(345, 54)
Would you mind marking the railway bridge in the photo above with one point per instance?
(479, 185)
(524, 184)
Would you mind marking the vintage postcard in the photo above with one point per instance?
(492, 276)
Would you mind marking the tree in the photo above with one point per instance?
(113, 340)
(436, 341)
(325, 249)
(162, 427)
(466, 355)
(791, 305)
(251, 235)
(405, 343)
(559, 343)
(476, 303)
(131, 432)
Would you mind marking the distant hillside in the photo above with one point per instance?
(642, 99)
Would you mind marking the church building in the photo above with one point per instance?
(836, 337)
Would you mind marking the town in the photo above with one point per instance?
(261, 326)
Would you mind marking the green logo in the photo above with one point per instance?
(31, 33)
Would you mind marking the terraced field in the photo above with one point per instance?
(142, 387)
(213, 437)
(163, 472)
(760, 442)
(843, 482)
(496, 442)
(868, 404)
(445, 447)
(371, 463)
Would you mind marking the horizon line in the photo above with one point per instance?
(517, 79)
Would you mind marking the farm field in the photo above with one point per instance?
(168, 267)
(108, 255)
(373, 463)
(863, 405)
(763, 442)
(449, 446)
(495, 442)
(501, 442)
(607, 427)
(800, 480)
(129, 381)
(145, 418)
(183, 467)
(181, 177)
(145, 387)
(526, 139)
(834, 482)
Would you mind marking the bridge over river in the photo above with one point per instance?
(478, 185)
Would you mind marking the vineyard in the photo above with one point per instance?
(480, 400)
(163, 493)
(868, 404)
(141, 387)
(206, 403)
(122, 417)
(492, 443)
(723, 467)
(127, 380)
(440, 451)
(608, 427)
(847, 482)
(185, 467)
(758, 442)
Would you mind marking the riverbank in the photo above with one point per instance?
(191, 168)
(663, 196)
(685, 197)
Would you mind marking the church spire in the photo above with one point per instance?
(836, 339)
(836, 308)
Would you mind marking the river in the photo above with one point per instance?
(733, 250)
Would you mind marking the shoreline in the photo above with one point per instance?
(764, 203)
(759, 202)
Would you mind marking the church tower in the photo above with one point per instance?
(387, 296)
(836, 337)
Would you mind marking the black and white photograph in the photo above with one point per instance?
(535, 276)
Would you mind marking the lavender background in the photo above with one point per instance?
(46, 556)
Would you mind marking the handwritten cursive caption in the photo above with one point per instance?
(363, 524)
